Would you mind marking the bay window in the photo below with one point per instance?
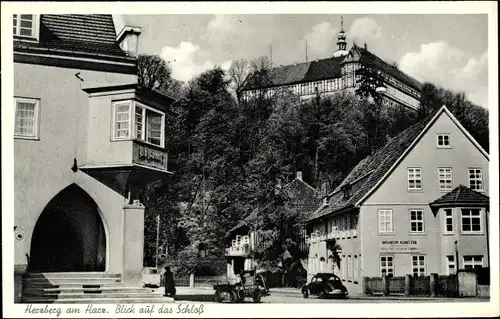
(471, 221)
(146, 124)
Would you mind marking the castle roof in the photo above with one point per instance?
(322, 69)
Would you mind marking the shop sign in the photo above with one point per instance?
(150, 157)
(399, 246)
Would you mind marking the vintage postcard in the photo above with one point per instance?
(270, 159)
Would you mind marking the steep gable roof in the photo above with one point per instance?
(372, 171)
(389, 69)
(89, 33)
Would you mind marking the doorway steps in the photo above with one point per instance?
(86, 287)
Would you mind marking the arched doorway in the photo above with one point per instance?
(69, 235)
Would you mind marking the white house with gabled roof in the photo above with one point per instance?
(379, 220)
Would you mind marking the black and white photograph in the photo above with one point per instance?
(250, 159)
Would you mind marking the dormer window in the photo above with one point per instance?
(347, 191)
(25, 26)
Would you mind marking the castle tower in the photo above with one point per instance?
(341, 41)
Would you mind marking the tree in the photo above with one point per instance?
(153, 72)
(261, 63)
(238, 73)
(373, 113)
(473, 117)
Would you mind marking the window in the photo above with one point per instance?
(386, 266)
(416, 221)
(443, 140)
(448, 221)
(471, 220)
(148, 124)
(471, 262)
(385, 221)
(356, 268)
(349, 268)
(450, 261)
(445, 179)
(26, 121)
(418, 263)
(122, 120)
(347, 191)
(476, 179)
(414, 178)
(322, 264)
(24, 25)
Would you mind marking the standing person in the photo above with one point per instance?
(169, 282)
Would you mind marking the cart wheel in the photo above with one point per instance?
(305, 294)
(234, 296)
(257, 295)
(217, 296)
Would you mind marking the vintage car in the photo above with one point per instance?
(151, 277)
(325, 285)
(253, 285)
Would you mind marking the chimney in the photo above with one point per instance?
(128, 40)
(299, 175)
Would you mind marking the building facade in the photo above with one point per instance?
(86, 140)
(333, 75)
(390, 215)
(244, 237)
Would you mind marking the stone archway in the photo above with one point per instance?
(69, 235)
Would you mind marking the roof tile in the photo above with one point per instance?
(461, 195)
(370, 170)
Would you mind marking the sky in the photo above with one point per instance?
(448, 50)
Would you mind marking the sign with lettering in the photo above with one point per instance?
(399, 246)
(150, 157)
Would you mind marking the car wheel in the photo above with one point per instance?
(305, 294)
(217, 297)
(257, 296)
(234, 296)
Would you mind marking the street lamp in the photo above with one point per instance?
(381, 90)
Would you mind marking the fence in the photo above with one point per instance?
(447, 286)
(421, 286)
(434, 285)
(397, 286)
(374, 286)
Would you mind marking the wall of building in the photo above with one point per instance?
(348, 247)
(101, 148)
(42, 167)
(394, 195)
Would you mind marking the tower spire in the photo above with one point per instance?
(341, 41)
